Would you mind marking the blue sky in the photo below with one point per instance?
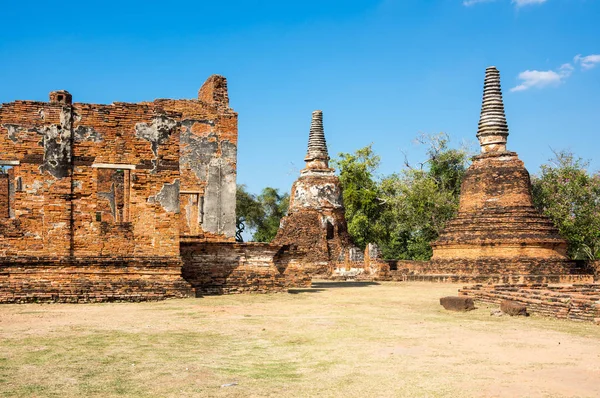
(382, 71)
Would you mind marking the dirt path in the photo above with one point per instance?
(335, 340)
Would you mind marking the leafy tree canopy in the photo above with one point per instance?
(405, 211)
(570, 196)
(260, 214)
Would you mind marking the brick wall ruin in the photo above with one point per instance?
(229, 268)
(576, 302)
(107, 190)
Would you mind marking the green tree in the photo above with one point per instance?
(248, 212)
(361, 195)
(260, 214)
(420, 200)
(570, 196)
(403, 212)
(274, 207)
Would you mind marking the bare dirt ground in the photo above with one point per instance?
(335, 340)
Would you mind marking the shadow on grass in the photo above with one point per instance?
(298, 291)
(332, 285)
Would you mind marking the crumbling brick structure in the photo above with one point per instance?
(315, 222)
(230, 268)
(579, 302)
(96, 198)
(498, 232)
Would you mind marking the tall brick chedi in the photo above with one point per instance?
(315, 222)
(497, 229)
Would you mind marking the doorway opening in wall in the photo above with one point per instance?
(113, 195)
(192, 211)
(330, 230)
(8, 186)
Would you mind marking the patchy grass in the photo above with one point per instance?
(352, 340)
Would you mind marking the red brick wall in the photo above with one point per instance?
(208, 161)
(225, 268)
(37, 135)
(90, 279)
(101, 193)
(129, 151)
(4, 201)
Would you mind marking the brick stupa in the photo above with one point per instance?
(498, 235)
(315, 222)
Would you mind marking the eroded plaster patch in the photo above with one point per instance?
(157, 133)
(168, 197)
(86, 134)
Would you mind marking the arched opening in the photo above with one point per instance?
(330, 230)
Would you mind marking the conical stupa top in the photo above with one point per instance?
(493, 128)
(317, 147)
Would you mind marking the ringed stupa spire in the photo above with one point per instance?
(498, 234)
(317, 155)
(315, 222)
(493, 129)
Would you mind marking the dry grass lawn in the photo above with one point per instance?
(335, 340)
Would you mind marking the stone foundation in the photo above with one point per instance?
(491, 271)
(87, 280)
(576, 302)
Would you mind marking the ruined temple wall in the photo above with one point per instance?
(208, 161)
(35, 139)
(518, 270)
(60, 152)
(126, 181)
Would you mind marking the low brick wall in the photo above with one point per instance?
(498, 271)
(229, 268)
(292, 265)
(92, 279)
(577, 302)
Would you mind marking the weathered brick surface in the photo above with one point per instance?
(453, 303)
(208, 161)
(576, 301)
(316, 222)
(486, 271)
(94, 190)
(26, 280)
(4, 196)
(513, 308)
(228, 268)
(498, 234)
(292, 264)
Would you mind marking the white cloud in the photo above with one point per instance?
(587, 62)
(565, 70)
(545, 78)
(521, 3)
(538, 79)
